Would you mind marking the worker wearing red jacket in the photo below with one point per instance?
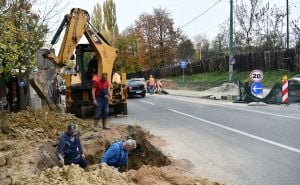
(100, 95)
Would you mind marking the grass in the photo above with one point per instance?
(270, 77)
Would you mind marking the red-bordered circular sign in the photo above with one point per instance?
(256, 76)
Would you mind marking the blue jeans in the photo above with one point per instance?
(151, 89)
(102, 108)
(81, 162)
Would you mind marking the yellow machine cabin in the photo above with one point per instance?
(78, 86)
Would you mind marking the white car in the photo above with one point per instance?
(294, 89)
(295, 78)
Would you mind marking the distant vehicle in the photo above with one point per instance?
(295, 78)
(136, 87)
(294, 89)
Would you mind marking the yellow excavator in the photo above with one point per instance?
(99, 50)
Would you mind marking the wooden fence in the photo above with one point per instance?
(266, 61)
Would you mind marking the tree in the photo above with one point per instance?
(202, 45)
(270, 24)
(158, 38)
(247, 14)
(185, 48)
(220, 42)
(105, 20)
(97, 17)
(110, 27)
(22, 32)
(296, 31)
(127, 44)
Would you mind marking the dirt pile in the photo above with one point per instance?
(28, 141)
(35, 124)
(97, 175)
(225, 88)
(167, 175)
(74, 175)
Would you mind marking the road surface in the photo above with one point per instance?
(231, 143)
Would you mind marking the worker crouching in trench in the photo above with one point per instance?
(117, 154)
(69, 149)
(100, 94)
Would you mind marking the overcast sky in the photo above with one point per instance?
(182, 12)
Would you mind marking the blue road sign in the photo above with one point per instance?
(257, 88)
(22, 83)
(183, 64)
(232, 61)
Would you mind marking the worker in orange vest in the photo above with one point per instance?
(151, 84)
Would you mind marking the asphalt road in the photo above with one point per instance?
(230, 143)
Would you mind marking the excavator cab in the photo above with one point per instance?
(78, 86)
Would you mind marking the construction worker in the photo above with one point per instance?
(151, 84)
(69, 149)
(100, 95)
(117, 154)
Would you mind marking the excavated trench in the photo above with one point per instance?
(145, 153)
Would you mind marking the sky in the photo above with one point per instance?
(182, 11)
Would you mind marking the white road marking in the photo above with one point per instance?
(240, 132)
(147, 102)
(261, 112)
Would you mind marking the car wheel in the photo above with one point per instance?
(143, 95)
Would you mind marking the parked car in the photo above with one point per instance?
(136, 87)
(295, 78)
(294, 89)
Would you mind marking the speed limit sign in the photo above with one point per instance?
(256, 76)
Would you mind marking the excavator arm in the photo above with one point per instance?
(76, 24)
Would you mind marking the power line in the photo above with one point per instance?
(198, 16)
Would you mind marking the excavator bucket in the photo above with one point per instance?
(41, 82)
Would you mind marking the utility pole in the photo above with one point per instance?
(22, 82)
(287, 25)
(230, 51)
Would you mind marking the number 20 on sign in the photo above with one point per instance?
(256, 76)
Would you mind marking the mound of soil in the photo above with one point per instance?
(74, 175)
(35, 124)
(149, 175)
(28, 141)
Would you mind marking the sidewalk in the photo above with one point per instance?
(200, 94)
(224, 90)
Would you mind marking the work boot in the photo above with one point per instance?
(96, 123)
(104, 124)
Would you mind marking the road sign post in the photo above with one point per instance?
(183, 65)
(257, 88)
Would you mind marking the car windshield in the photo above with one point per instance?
(135, 82)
